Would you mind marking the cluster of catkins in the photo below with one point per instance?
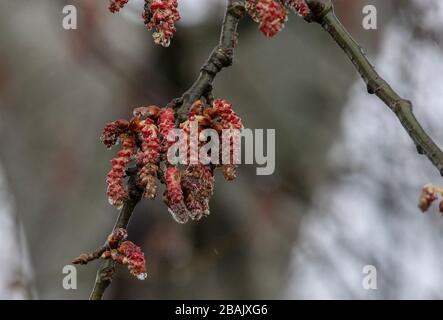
(144, 142)
(161, 15)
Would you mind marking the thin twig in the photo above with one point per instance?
(106, 272)
(323, 14)
(221, 57)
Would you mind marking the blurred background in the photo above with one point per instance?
(347, 179)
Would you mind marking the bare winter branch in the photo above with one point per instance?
(323, 14)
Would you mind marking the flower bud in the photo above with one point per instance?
(116, 237)
(166, 123)
(198, 186)
(112, 131)
(161, 15)
(299, 6)
(116, 192)
(269, 14)
(116, 5)
(134, 258)
(148, 158)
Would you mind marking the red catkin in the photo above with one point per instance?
(116, 237)
(148, 157)
(161, 15)
(112, 131)
(173, 196)
(228, 119)
(134, 258)
(269, 14)
(116, 192)
(173, 185)
(116, 5)
(166, 123)
(131, 255)
(198, 186)
(299, 6)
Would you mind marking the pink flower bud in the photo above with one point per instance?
(116, 5)
(161, 15)
(269, 14)
(134, 258)
(228, 119)
(173, 184)
(116, 192)
(112, 131)
(148, 157)
(173, 196)
(198, 186)
(299, 6)
(116, 237)
(166, 123)
(127, 253)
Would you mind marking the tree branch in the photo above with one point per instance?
(106, 272)
(221, 57)
(323, 14)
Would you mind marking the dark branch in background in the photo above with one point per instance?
(323, 14)
(221, 57)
